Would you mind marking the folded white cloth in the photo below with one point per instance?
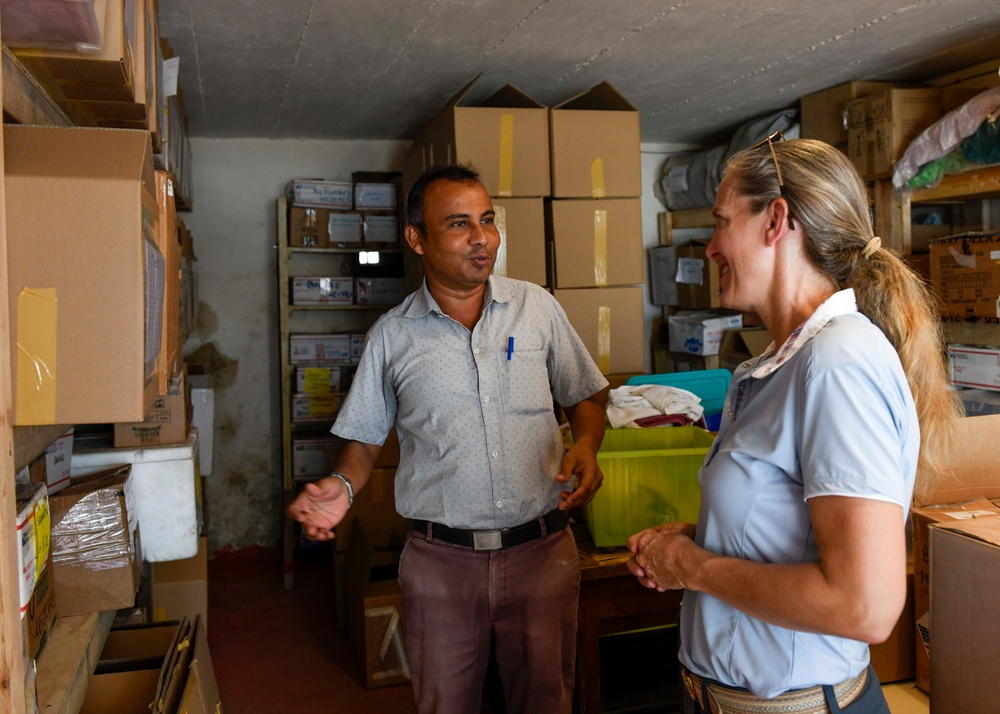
(631, 402)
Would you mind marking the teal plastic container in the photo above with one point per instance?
(650, 478)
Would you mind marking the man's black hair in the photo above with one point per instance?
(415, 198)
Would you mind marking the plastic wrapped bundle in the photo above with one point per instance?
(51, 24)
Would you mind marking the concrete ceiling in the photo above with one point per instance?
(696, 69)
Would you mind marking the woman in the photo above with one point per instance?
(798, 560)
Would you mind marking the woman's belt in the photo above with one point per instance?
(727, 700)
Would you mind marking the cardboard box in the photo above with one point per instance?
(304, 349)
(53, 467)
(741, 345)
(521, 223)
(504, 137)
(663, 287)
(597, 242)
(700, 333)
(320, 193)
(166, 423)
(824, 113)
(34, 531)
(921, 519)
(116, 63)
(315, 407)
(379, 291)
(83, 265)
(171, 353)
(180, 587)
(974, 366)
(316, 290)
(965, 615)
(965, 274)
(313, 458)
(96, 551)
(307, 227)
(375, 607)
(697, 277)
(317, 380)
(980, 402)
(53, 25)
(892, 119)
(203, 418)
(39, 616)
(609, 321)
(163, 666)
(595, 146)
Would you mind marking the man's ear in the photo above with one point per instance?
(414, 238)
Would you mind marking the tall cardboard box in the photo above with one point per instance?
(86, 277)
(595, 146)
(375, 612)
(609, 321)
(171, 355)
(504, 137)
(597, 242)
(975, 480)
(965, 615)
(166, 423)
(824, 112)
(521, 222)
(180, 587)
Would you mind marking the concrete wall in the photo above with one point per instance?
(236, 183)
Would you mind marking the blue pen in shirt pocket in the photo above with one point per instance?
(510, 347)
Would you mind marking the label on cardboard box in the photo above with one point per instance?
(322, 291)
(344, 229)
(320, 348)
(380, 291)
(381, 229)
(331, 194)
(375, 195)
(317, 380)
(315, 407)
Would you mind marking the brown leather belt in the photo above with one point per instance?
(551, 522)
(727, 700)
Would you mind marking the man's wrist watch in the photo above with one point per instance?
(347, 485)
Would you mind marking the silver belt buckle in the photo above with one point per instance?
(486, 540)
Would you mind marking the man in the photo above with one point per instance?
(467, 368)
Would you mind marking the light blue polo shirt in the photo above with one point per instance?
(479, 443)
(830, 413)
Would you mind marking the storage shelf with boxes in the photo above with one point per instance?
(340, 265)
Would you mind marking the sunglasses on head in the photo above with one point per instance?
(771, 140)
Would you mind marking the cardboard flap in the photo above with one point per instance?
(603, 97)
(973, 460)
(510, 97)
(74, 152)
(462, 92)
(986, 530)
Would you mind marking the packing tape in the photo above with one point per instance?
(604, 339)
(597, 178)
(500, 221)
(506, 179)
(601, 248)
(37, 320)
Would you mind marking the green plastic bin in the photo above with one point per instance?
(650, 478)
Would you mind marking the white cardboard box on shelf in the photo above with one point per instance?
(974, 366)
(320, 348)
(164, 490)
(320, 193)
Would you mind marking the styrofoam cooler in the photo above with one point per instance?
(165, 493)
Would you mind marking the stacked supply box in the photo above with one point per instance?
(965, 275)
(882, 124)
(506, 139)
(317, 361)
(824, 113)
(377, 201)
(594, 225)
(86, 275)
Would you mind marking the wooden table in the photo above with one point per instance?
(611, 601)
